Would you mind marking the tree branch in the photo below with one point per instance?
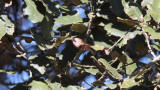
(148, 43)
(88, 31)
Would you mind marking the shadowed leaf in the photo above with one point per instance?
(79, 27)
(110, 68)
(153, 34)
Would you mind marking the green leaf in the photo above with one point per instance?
(146, 2)
(127, 21)
(115, 29)
(3, 29)
(47, 25)
(8, 24)
(154, 10)
(51, 7)
(132, 10)
(59, 41)
(92, 71)
(38, 85)
(32, 57)
(55, 85)
(72, 87)
(153, 34)
(110, 68)
(111, 86)
(118, 29)
(156, 46)
(8, 72)
(85, 1)
(65, 20)
(127, 83)
(100, 44)
(58, 86)
(41, 69)
(79, 27)
(31, 11)
(131, 67)
(98, 83)
(97, 47)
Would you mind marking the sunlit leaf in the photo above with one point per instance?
(41, 69)
(111, 86)
(9, 72)
(85, 1)
(97, 47)
(58, 86)
(128, 82)
(3, 29)
(110, 68)
(142, 72)
(100, 45)
(119, 30)
(79, 27)
(131, 67)
(51, 7)
(31, 11)
(65, 20)
(133, 10)
(39, 85)
(156, 46)
(8, 24)
(92, 71)
(116, 31)
(146, 2)
(154, 10)
(55, 85)
(32, 57)
(72, 87)
(153, 34)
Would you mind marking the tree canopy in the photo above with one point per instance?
(79, 44)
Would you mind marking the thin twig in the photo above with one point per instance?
(148, 43)
(103, 75)
(87, 33)
(83, 66)
(110, 49)
(88, 83)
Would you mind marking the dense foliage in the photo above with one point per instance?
(79, 44)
